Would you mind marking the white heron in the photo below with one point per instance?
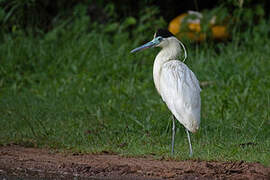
(175, 82)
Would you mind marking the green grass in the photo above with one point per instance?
(83, 91)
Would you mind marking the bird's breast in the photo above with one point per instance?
(165, 55)
(156, 75)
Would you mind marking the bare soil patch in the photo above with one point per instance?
(43, 163)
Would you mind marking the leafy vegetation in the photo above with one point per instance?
(78, 87)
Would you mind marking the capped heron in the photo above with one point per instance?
(175, 82)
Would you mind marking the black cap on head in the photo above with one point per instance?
(163, 33)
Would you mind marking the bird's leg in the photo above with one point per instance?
(190, 147)
(173, 133)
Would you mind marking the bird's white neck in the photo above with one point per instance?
(168, 52)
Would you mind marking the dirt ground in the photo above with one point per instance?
(32, 163)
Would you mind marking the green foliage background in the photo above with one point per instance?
(68, 81)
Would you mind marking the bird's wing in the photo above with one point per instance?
(180, 90)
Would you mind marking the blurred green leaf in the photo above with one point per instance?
(111, 27)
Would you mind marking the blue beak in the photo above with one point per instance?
(150, 44)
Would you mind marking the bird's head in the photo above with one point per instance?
(161, 39)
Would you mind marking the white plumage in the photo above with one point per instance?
(176, 83)
(178, 86)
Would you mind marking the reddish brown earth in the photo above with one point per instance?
(16, 161)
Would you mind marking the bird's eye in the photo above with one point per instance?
(159, 38)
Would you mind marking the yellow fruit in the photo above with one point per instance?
(218, 32)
